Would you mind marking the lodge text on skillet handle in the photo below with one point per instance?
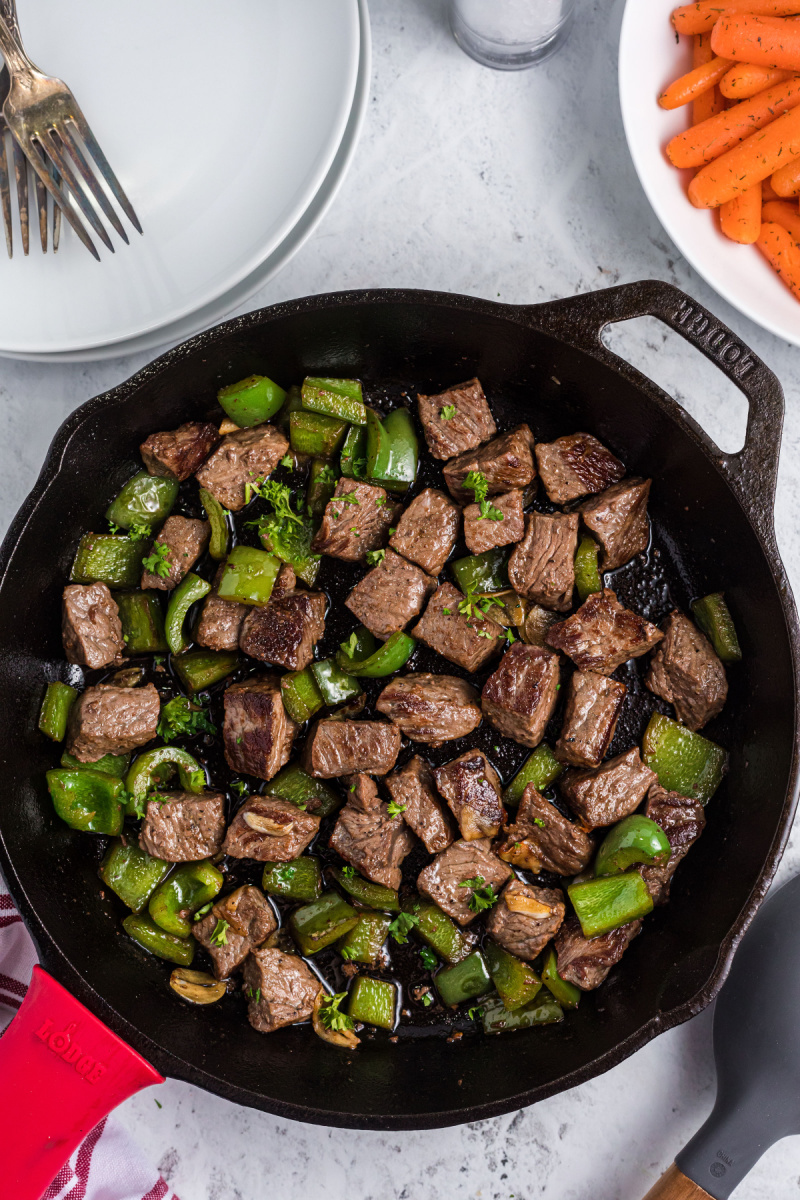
(674, 1185)
(65, 1071)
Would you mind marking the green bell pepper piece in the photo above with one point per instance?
(496, 1018)
(177, 899)
(218, 520)
(313, 795)
(364, 942)
(249, 576)
(58, 700)
(297, 880)
(144, 500)
(321, 486)
(587, 574)
(132, 873)
(201, 669)
(604, 904)
(109, 558)
(373, 895)
(482, 573)
(377, 446)
(142, 622)
(714, 618)
(438, 930)
(293, 403)
(515, 980)
(109, 764)
(91, 801)
(321, 923)
(154, 766)
(191, 589)
(290, 541)
(464, 980)
(567, 995)
(684, 761)
(339, 398)
(358, 647)
(391, 656)
(300, 694)
(635, 839)
(353, 459)
(392, 450)
(251, 401)
(373, 1002)
(335, 685)
(315, 434)
(157, 941)
(540, 768)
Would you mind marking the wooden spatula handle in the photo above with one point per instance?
(673, 1185)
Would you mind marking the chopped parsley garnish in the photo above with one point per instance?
(350, 647)
(401, 927)
(375, 556)
(349, 498)
(538, 821)
(475, 1014)
(477, 483)
(484, 633)
(138, 533)
(114, 528)
(335, 515)
(204, 911)
(331, 1015)
(448, 412)
(447, 611)
(354, 529)
(157, 561)
(380, 500)
(394, 809)
(240, 787)
(509, 635)
(483, 894)
(348, 871)
(181, 718)
(427, 999)
(429, 959)
(254, 995)
(197, 780)
(288, 462)
(220, 935)
(284, 873)
(392, 530)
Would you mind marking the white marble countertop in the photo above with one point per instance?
(517, 187)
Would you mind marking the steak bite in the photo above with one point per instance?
(183, 827)
(682, 820)
(618, 519)
(269, 829)
(603, 634)
(181, 452)
(467, 641)
(576, 465)
(257, 732)
(445, 879)
(505, 463)
(185, 540)
(594, 703)
(112, 720)
(412, 789)
(368, 838)
(587, 961)
(346, 747)
(286, 630)
(486, 533)
(456, 420)
(280, 987)
(427, 530)
(471, 787)
(390, 595)
(90, 626)
(431, 708)
(614, 791)
(220, 620)
(249, 921)
(686, 672)
(542, 566)
(519, 698)
(525, 918)
(241, 458)
(542, 839)
(356, 520)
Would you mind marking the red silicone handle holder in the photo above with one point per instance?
(61, 1071)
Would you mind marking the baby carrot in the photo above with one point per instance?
(786, 180)
(691, 85)
(705, 142)
(709, 102)
(782, 253)
(744, 80)
(782, 212)
(703, 15)
(768, 191)
(740, 218)
(751, 161)
(760, 41)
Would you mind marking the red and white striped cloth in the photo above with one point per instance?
(107, 1165)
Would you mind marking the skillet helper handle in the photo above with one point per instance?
(674, 1185)
(62, 1071)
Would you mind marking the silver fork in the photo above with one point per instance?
(45, 118)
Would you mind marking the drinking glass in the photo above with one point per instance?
(510, 34)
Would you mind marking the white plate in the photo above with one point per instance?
(648, 59)
(211, 314)
(222, 124)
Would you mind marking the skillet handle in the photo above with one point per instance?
(674, 1185)
(62, 1071)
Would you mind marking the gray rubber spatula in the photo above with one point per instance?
(757, 1054)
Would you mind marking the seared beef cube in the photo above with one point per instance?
(686, 672)
(613, 791)
(505, 463)
(486, 533)
(280, 987)
(258, 732)
(449, 432)
(112, 720)
(469, 641)
(594, 703)
(241, 458)
(178, 454)
(269, 829)
(682, 820)
(185, 540)
(525, 918)
(427, 530)
(444, 880)
(390, 595)
(603, 634)
(471, 787)
(541, 839)
(519, 698)
(542, 566)
(183, 827)
(220, 620)
(357, 519)
(90, 626)
(576, 465)
(286, 630)
(249, 919)
(431, 708)
(412, 788)
(346, 747)
(587, 961)
(618, 519)
(368, 838)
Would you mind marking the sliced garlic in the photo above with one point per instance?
(229, 426)
(522, 855)
(196, 986)
(263, 824)
(345, 1038)
(526, 905)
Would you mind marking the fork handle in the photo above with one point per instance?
(8, 11)
(17, 60)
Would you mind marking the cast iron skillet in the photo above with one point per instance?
(712, 512)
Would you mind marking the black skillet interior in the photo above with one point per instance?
(703, 541)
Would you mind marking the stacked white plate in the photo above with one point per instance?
(230, 128)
